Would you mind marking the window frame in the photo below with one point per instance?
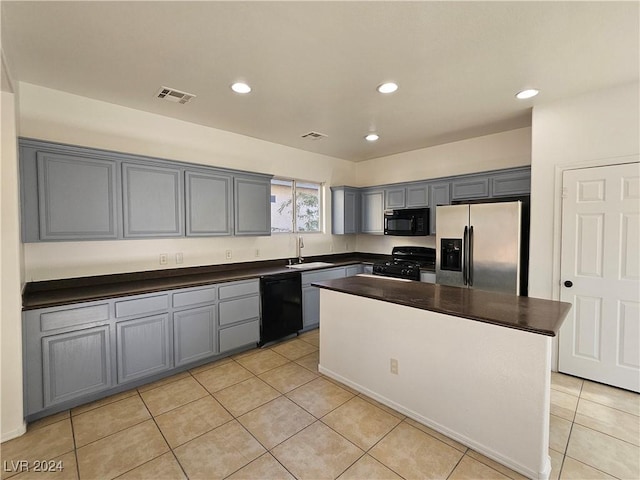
(294, 207)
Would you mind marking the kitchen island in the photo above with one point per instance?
(473, 365)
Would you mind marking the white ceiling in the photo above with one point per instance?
(316, 65)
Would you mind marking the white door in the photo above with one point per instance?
(600, 271)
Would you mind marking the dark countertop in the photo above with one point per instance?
(534, 315)
(52, 293)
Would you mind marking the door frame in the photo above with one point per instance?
(557, 226)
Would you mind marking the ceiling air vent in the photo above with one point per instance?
(175, 96)
(313, 136)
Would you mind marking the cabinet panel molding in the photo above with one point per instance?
(208, 204)
(77, 198)
(75, 364)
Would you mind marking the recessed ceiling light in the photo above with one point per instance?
(240, 87)
(529, 93)
(372, 137)
(389, 87)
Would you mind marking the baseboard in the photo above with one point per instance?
(6, 436)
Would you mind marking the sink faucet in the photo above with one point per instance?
(300, 245)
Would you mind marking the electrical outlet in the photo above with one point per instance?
(257, 252)
(164, 259)
(228, 254)
(179, 258)
(394, 366)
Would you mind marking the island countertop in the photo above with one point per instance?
(533, 315)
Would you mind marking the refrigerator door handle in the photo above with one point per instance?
(470, 252)
(465, 249)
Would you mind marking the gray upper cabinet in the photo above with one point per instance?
(209, 204)
(67, 194)
(418, 195)
(440, 194)
(153, 201)
(372, 211)
(513, 183)
(395, 197)
(469, 188)
(76, 198)
(252, 205)
(345, 210)
(71, 193)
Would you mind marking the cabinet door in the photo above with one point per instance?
(75, 364)
(310, 307)
(352, 270)
(143, 347)
(372, 211)
(76, 198)
(208, 204)
(252, 206)
(239, 335)
(345, 204)
(418, 195)
(511, 183)
(469, 188)
(439, 195)
(395, 197)
(153, 201)
(194, 334)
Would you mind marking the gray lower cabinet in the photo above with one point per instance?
(152, 200)
(209, 204)
(372, 211)
(143, 347)
(194, 334)
(238, 314)
(345, 210)
(75, 364)
(252, 205)
(311, 295)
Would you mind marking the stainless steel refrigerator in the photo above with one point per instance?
(480, 246)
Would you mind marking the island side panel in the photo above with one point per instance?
(484, 385)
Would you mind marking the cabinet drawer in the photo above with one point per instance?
(233, 311)
(72, 317)
(194, 297)
(238, 289)
(141, 306)
(322, 275)
(239, 335)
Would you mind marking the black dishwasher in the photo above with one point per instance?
(281, 298)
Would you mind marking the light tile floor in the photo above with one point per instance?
(269, 414)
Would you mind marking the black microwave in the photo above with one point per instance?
(407, 222)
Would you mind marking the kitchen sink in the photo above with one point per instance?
(304, 266)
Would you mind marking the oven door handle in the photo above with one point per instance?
(465, 250)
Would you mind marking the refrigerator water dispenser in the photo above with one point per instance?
(451, 254)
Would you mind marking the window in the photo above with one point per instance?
(303, 215)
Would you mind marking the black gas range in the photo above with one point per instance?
(406, 262)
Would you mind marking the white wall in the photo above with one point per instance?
(57, 116)
(11, 276)
(598, 128)
(489, 152)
